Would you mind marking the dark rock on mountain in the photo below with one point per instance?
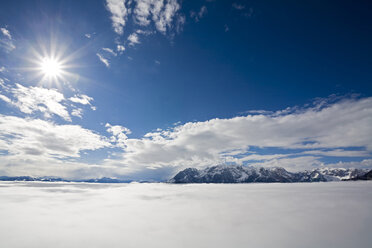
(367, 176)
(243, 174)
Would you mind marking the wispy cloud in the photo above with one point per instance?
(78, 112)
(110, 51)
(6, 33)
(103, 60)
(48, 102)
(82, 99)
(162, 13)
(148, 16)
(238, 6)
(198, 15)
(37, 99)
(226, 27)
(6, 40)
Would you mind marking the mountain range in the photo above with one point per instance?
(244, 174)
(57, 179)
(232, 174)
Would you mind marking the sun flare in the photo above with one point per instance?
(51, 67)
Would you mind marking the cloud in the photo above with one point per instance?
(35, 99)
(110, 51)
(119, 134)
(332, 126)
(226, 28)
(6, 33)
(143, 8)
(77, 112)
(238, 6)
(145, 17)
(162, 13)
(209, 216)
(49, 102)
(35, 137)
(133, 39)
(119, 14)
(107, 53)
(6, 40)
(120, 48)
(82, 99)
(295, 138)
(5, 99)
(103, 59)
(197, 16)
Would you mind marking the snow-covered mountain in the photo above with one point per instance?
(243, 174)
(367, 176)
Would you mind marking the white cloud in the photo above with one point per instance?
(6, 33)
(77, 112)
(162, 13)
(133, 39)
(35, 137)
(49, 102)
(307, 135)
(109, 50)
(5, 99)
(165, 18)
(36, 99)
(82, 99)
(119, 14)
(333, 126)
(146, 17)
(120, 48)
(119, 134)
(103, 60)
(6, 40)
(321, 215)
(142, 10)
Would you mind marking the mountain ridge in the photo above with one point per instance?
(244, 174)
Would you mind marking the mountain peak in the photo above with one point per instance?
(243, 174)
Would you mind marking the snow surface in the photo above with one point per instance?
(40, 214)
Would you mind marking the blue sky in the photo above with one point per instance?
(150, 87)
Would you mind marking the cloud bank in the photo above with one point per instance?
(209, 216)
(306, 135)
(295, 138)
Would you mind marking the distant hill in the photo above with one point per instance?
(243, 174)
(53, 179)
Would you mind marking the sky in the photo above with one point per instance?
(142, 89)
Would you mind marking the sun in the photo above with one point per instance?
(52, 63)
(50, 67)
